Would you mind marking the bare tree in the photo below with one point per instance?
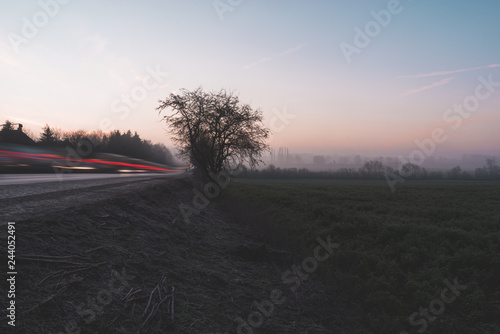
(412, 171)
(492, 168)
(456, 173)
(30, 134)
(373, 168)
(214, 130)
(74, 138)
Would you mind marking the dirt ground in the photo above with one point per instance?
(123, 260)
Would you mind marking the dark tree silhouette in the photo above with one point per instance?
(17, 136)
(373, 168)
(132, 145)
(490, 171)
(455, 173)
(75, 138)
(493, 168)
(214, 130)
(412, 171)
(7, 126)
(48, 136)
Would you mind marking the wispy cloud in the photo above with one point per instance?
(280, 54)
(291, 50)
(433, 74)
(421, 89)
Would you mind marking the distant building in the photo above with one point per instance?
(15, 136)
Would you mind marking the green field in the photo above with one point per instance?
(396, 249)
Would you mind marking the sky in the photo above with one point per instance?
(331, 77)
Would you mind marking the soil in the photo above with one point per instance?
(121, 259)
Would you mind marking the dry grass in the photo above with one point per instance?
(182, 278)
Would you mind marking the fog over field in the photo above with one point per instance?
(336, 161)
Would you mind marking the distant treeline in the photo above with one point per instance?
(115, 142)
(376, 170)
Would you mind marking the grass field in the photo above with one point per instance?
(396, 249)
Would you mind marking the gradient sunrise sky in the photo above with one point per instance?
(361, 77)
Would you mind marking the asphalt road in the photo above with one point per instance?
(25, 195)
(11, 179)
